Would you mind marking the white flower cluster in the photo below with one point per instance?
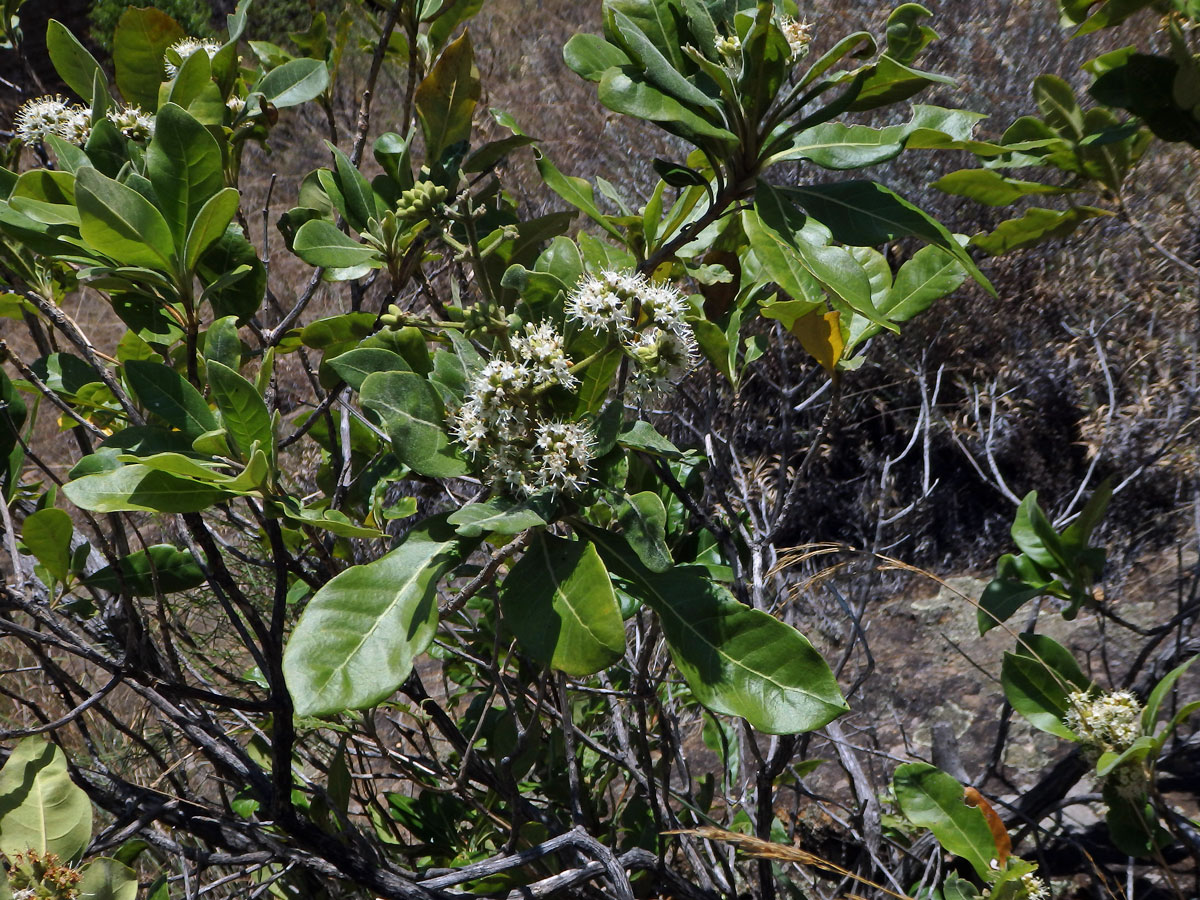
(798, 35)
(1110, 721)
(185, 47)
(41, 117)
(500, 419)
(648, 320)
(1031, 888)
(132, 121)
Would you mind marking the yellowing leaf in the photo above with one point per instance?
(821, 335)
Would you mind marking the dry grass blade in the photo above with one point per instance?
(757, 848)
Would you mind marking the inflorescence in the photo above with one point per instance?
(647, 320)
(41, 117)
(184, 48)
(1110, 722)
(501, 419)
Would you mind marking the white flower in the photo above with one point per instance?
(77, 127)
(185, 47)
(561, 453)
(799, 36)
(235, 104)
(40, 117)
(133, 122)
(541, 350)
(1111, 721)
(1034, 888)
(603, 304)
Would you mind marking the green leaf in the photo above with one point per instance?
(137, 488)
(355, 189)
(242, 297)
(446, 98)
(120, 223)
(296, 81)
(589, 56)
(41, 809)
(1008, 592)
(737, 660)
(222, 344)
(243, 412)
(1159, 693)
(209, 224)
(643, 520)
(560, 604)
(74, 64)
(159, 569)
(141, 39)
(356, 640)
(1035, 227)
(107, 879)
(354, 366)
(867, 214)
(780, 228)
(1036, 537)
(47, 535)
(1061, 111)
(929, 798)
(622, 94)
(497, 516)
(319, 243)
(658, 70)
(906, 36)
(991, 188)
(170, 396)
(414, 418)
(183, 162)
(1038, 680)
(575, 191)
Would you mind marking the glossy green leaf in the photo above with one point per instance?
(929, 798)
(137, 488)
(575, 191)
(355, 190)
(867, 214)
(1159, 694)
(498, 515)
(47, 535)
(1035, 226)
(356, 640)
(170, 396)
(560, 605)
(107, 879)
(414, 418)
(243, 412)
(446, 98)
(242, 297)
(141, 39)
(989, 187)
(41, 809)
(622, 94)
(209, 224)
(183, 162)
(589, 56)
(319, 243)
(296, 81)
(354, 366)
(120, 223)
(159, 569)
(1008, 592)
(222, 344)
(657, 69)
(1038, 680)
(74, 64)
(737, 660)
(643, 520)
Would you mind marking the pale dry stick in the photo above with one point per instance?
(988, 441)
(10, 543)
(1112, 411)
